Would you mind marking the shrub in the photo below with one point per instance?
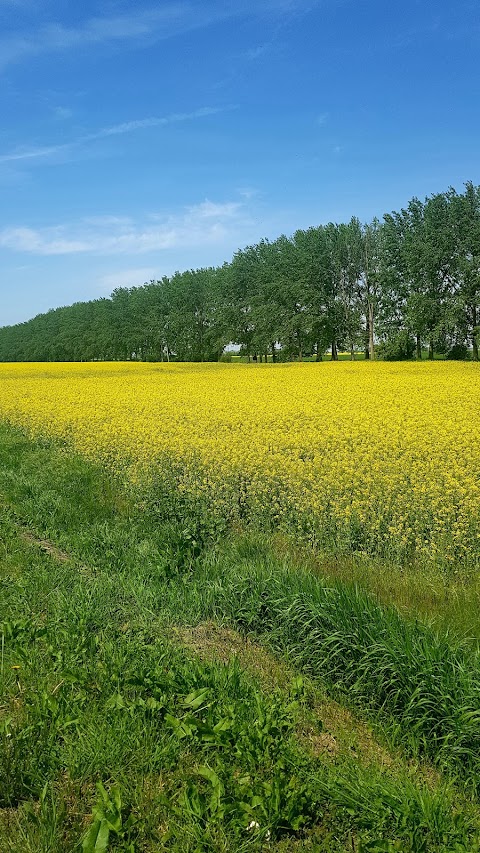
(459, 352)
(398, 347)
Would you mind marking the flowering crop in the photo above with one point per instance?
(376, 457)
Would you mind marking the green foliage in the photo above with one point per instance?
(458, 352)
(397, 347)
(106, 820)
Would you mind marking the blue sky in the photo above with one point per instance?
(141, 138)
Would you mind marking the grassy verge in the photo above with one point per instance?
(448, 601)
(122, 716)
(425, 686)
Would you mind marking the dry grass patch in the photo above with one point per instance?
(212, 642)
(341, 732)
(45, 545)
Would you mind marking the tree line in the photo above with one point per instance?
(390, 288)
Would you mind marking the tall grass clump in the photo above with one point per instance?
(426, 684)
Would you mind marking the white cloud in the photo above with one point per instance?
(127, 278)
(248, 192)
(33, 153)
(208, 223)
(210, 210)
(62, 112)
(256, 52)
(56, 37)
(154, 121)
(40, 152)
(149, 24)
(120, 221)
(49, 241)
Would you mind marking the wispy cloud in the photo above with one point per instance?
(155, 121)
(32, 153)
(149, 24)
(198, 225)
(248, 192)
(127, 278)
(42, 151)
(56, 37)
(62, 112)
(278, 16)
(258, 51)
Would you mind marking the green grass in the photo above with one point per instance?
(113, 722)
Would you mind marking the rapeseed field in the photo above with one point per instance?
(379, 458)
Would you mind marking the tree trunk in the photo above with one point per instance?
(474, 333)
(430, 349)
(371, 341)
(319, 356)
(274, 354)
(367, 337)
(352, 353)
(334, 351)
(419, 347)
